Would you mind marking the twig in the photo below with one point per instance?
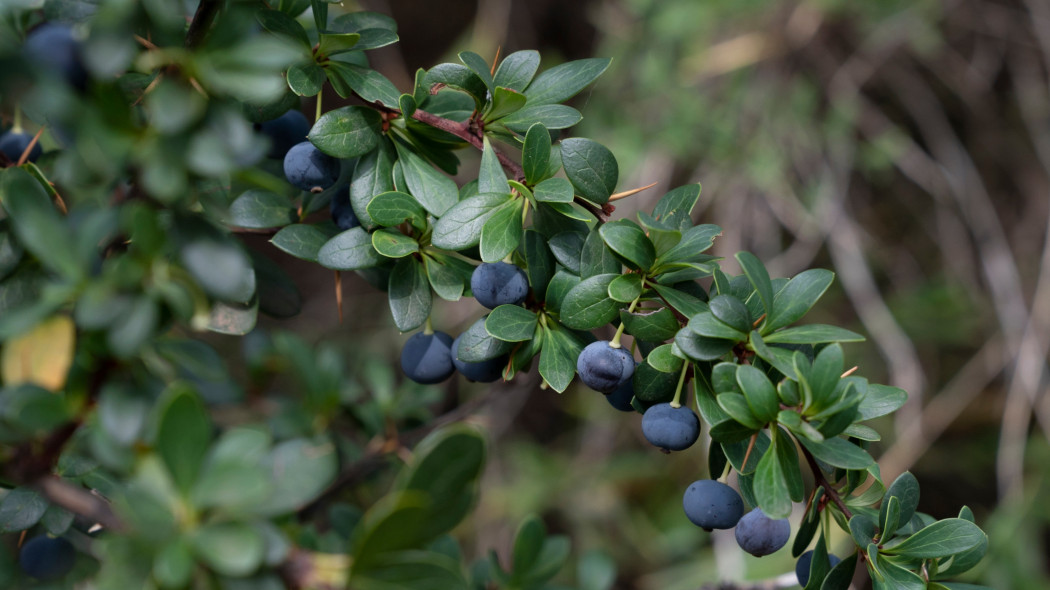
(822, 481)
(79, 501)
(207, 10)
(466, 132)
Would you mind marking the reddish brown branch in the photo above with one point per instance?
(471, 135)
(823, 482)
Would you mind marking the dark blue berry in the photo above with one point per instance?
(711, 504)
(604, 368)
(670, 428)
(342, 212)
(53, 47)
(47, 558)
(285, 132)
(498, 283)
(310, 169)
(13, 144)
(427, 358)
(621, 397)
(760, 535)
(804, 561)
(480, 371)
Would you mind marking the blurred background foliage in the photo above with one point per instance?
(903, 144)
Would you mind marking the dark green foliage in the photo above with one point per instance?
(805, 562)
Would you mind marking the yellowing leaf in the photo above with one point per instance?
(41, 356)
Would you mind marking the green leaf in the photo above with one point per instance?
(501, 233)
(457, 77)
(797, 297)
(536, 154)
(348, 79)
(652, 386)
(787, 456)
(628, 240)
(409, 293)
(862, 529)
(562, 82)
(349, 250)
(280, 23)
(528, 542)
(663, 359)
(551, 116)
(880, 401)
(511, 323)
(683, 302)
(894, 577)
(235, 319)
(347, 132)
(306, 79)
(906, 490)
(300, 470)
(394, 208)
(183, 434)
(779, 358)
(737, 407)
(460, 227)
(173, 564)
(372, 176)
(590, 167)
(561, 283)
(258, 209)
(554, 190)
(505, 101)
(20, 509)
(436, 192)
(813, 334)
(841, 576)
(37, 224)
(558, 356)
(391, 243)
(479, 66)
(674, 208)
(759, 392)
(650, 325)
(56, 520)
(626, 288)
(940, 539)
(838, 452)
(491, 178)
(476, 344)
(770, 486)
(336, 43)
(304, 241)
(231, 549)
(731, 311)
(587, 305)
(594, 256)
(517, 69)
(539, 262)
(701, 348)
(706, 324)
(447, 276)
(759, 278)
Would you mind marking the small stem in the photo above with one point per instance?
(428, 328)
(676, 402)
(17, 126)
(615, 342)
(317, 111)
(823, 482)
(725, 472)
(750, 447)
(207, 10)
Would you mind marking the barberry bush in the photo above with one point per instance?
(147, 138)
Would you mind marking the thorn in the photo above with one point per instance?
(32, 142)
(339, 295)
(495, 60)
(149, 88)
(145, 42)
(850, 371)
(626, 194)
(758, 321)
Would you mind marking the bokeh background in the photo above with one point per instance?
(903, 144)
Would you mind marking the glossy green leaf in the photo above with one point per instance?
(373, 175)
(906, 490)
(20, 509)
(394, 208)
(183, 434)
(879, 401)
(558, 357)
(701, 348)
(335, 43)
(940, 539)
(554, 190)
(37, 223)
(409, 293)
(706, 324)
(675, 206)
(347, 132)
(457, 77)
(838, 452)
(517, 69)
(280, 23)
(731, 311)
(770, 486)
(650, 325)
(587, 305)
(258, 209)
(841, 576)
(626, 288)
(306, 79)
(491, 178)
(737, 407)
(895, 577)
(686, 304)
(551, 116)
(562, 82)
(652, 386)
(460, 227)
(590, 167)
(628, 240)
(300, 469)
(231, 549)
(511, 323)
(348, 79)
(759, 392)
(663, 359)
(536, 154)
(505, 101)
(539, 262)
(302, 240)
(436, 192)
(502, 232)
(476, 344)
(812, 334)
(349, 250)
(862, 529)
(779, 358)
(393, 244)
(797, 297)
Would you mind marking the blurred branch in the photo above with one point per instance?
(79, 501)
